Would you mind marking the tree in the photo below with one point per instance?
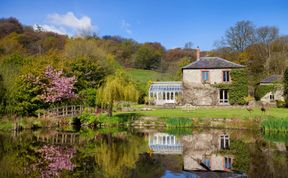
(116, 88)
(56, 87)
(2, 95)
(148, 56)
(286, 86)
(10, 25)
(240, 36)
(265, 35)
(90, 72)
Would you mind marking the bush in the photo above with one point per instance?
(280, 103)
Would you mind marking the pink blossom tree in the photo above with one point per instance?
(57, 87)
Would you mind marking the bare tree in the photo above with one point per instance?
(240, 36)
(265, 35)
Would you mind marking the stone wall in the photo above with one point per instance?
(200, 94)
(278, 95)
(194, 75)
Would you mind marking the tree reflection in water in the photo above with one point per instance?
(57, 159)
(125, 153)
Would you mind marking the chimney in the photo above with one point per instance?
(197, 53)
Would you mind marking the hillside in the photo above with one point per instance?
(143, 76)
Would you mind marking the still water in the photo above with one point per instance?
(122, 152)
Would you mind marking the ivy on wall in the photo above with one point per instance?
(238, 88)
(262, 90)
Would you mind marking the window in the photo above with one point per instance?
(223, 96)
(271, 97)
(228, 162)
(164, 96)
(226, 76)
(168, 96)
(224, 141)
(205, 76)
(172, 96)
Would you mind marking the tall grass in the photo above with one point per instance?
(273, 124)
(178, 122)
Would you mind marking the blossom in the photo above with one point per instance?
(57, 87)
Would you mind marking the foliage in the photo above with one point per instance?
(148, 56)
(262, 90)
(116, 88)
(271, 124)
(90, 72)
(242, 159)
(286, 86)
(178, 122)
(248, 99)
(87, 118)
(276, 137)
(2, 94)
(28, 96)
(88, 96)
(56, 87)
(238, 89)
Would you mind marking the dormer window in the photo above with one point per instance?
(205, 76)
(226, 76)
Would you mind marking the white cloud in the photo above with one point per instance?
(126, 26)
(50, 28)
(69, 24)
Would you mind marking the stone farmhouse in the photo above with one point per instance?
(196, 87)
(276, 91)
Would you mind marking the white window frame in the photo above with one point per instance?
(223, 100)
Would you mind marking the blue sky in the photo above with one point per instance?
(173, 23)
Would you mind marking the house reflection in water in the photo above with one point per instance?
(162, 143)
(200, 152)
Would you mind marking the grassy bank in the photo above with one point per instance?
(231, 113)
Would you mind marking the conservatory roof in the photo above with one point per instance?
(166, 86)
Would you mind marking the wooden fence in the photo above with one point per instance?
(60, 138)
(66, 111)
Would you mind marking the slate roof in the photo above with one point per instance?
(271, 79)
(212, 63)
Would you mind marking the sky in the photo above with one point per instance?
(170, 22)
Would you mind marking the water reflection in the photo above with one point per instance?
(162, 143)
(125, 153)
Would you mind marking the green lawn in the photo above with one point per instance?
(143, 76)
(217, 113)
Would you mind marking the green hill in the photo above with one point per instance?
(143, 76)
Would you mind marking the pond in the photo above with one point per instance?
(129, 152)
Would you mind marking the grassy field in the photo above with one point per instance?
(143, 76)
(218, 113)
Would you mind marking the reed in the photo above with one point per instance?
(272, 124)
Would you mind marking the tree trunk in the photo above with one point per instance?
(110, 109)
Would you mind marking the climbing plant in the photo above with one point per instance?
(238, 88)
(262, 90)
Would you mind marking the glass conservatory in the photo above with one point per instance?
(164, 92)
